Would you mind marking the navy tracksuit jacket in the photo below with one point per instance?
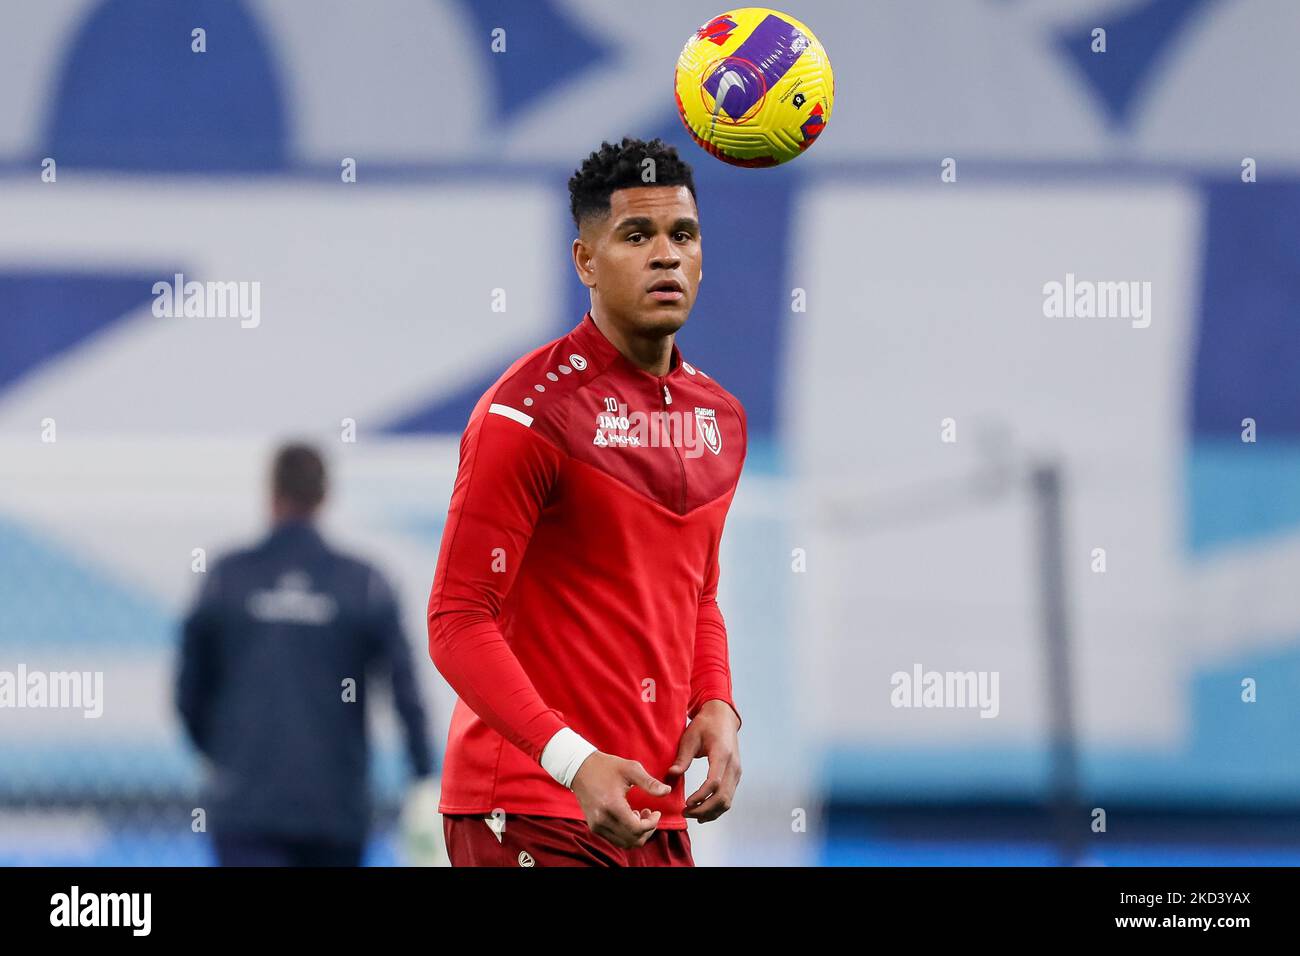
(272, 687)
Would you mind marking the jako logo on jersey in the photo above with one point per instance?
(619, 437)
(706, 424)
(526, 859)
(659, 429)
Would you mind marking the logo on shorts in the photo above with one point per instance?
(526, 859)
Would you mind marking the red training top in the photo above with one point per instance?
(578, 574)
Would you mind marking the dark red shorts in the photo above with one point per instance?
(553, 841)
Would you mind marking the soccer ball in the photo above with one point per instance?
(754, 87)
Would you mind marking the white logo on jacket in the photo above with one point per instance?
(706, 424)
(659, 429)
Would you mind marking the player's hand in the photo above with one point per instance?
(601, 785)
(712, 734)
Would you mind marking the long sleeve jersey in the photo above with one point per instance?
(577, 577)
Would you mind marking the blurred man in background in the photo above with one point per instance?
(271, 686)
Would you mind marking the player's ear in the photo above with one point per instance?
(582, 262)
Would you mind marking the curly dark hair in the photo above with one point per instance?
(619, 167)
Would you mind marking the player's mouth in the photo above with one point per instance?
(667, 290)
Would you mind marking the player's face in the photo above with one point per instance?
(642, 261)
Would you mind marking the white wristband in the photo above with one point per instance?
(564, 754)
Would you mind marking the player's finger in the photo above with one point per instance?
(636, 776)
(712, 808)
(710, 786)
(635, 821)
(687, 751)
(650, 817)
(628, 828)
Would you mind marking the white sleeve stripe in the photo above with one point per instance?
(509, 412)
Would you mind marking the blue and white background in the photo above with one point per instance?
(924, 302)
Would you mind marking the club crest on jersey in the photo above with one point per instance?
(706, 424)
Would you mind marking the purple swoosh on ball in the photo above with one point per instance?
(768, 49)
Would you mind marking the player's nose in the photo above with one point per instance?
(664, 255)
(663, 249)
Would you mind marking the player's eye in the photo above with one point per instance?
(635, 235)
(684, 237)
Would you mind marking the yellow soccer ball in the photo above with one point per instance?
(754, 87)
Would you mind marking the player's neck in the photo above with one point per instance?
(650, 355)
